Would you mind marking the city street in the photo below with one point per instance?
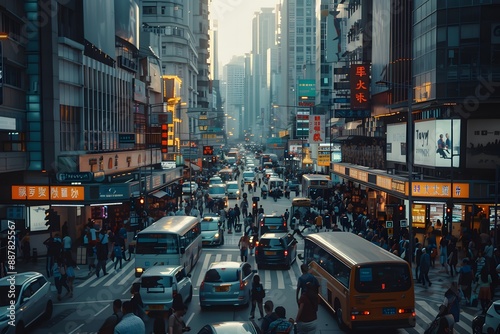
(93, 296)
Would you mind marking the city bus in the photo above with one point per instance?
(226, 174)
(171, 240)
(316, 185)
(364, 285)
(301, 207)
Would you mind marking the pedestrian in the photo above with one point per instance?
(54, 249)
(244, 208)
(237, 213)
(244, 244)
(465, 278)
(307, 313)
(118, 252)
(443, 250)
(425, 266)
(110, 323)
(344, 222)
(257, 297)
(304, 279)
(452, 256)
(102, 257)
(130, 323)
(59, 273)
(176, 324)
(484, 286)
(418, 256)
(26, 246)
(452, 301)
(269, 317)
(282, 324)
(318, 223)
(66, 244)
(286, 215)
(70, 273)
(136, 300)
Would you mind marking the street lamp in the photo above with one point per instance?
(409, 157)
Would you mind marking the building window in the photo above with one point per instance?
(12, 141)
(149, 10)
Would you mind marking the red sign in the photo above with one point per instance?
(359, 77)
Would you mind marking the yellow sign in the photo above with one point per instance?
(323, 160)
(57, 193)
(440, 189)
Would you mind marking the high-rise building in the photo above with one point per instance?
(234, 78)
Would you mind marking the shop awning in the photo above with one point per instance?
(159, 194)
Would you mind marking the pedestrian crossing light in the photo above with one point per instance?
(449, 214)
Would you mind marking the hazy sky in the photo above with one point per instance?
(235, 25)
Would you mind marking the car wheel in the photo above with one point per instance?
(20, 328)
(48, 310)
(338, 314)
(190, 297)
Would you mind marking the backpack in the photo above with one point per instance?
(280, 326)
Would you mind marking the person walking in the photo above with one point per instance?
(59, 273)
(269, 317)
(66, 243)
(418, 256)
(26, 246)
(303, 280)
(465, 278)
(237, 213)
(484, 286)
(130, 323)
(108, 327)
(307, 313)
(425, 266)
(244, 244)
(118, 251)
(70, 273)
(176, 324)
(257, 297)
(452, 301)
(453, 256)
(102, 257)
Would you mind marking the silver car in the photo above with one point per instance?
(159, 284)
(233, 190)
(227, 283)
(30, 292)
(212, 233)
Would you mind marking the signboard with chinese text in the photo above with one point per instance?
(316, 129)
(348, 113)
(359, 77)
(440, 189)
(57, 193)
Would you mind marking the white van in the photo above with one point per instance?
(275, 182)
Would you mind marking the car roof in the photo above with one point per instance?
(271, 235)
(210, 219)
(161, 271)
(21, 278)
(217, 186)
(231, 327)
(215, 178)
(232, 182)
(226, 264)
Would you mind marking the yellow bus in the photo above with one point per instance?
(364, 285)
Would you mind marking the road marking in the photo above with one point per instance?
(203, 268)
(281, 280)
(267, 279)
(126, 278)
(84, 302)
(118, 274)
(105, 307)
(189, 319)
(77, 328)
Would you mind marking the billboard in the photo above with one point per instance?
(437, 143)
(359, 78)
(127, 21)
(396, 142)
(316, 129)
(99, 25)
(483, 143)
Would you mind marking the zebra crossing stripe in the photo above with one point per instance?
(117, 273)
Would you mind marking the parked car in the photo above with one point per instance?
(276, 249)
(230, 327)
(212, 232)
(159, 284)
(189, 187)
(32, 300)
(226, 283)
(491, 320)
(233, 189)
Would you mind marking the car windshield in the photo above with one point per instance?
(216, 190)
(270, 243)
(221, 275)
(248, 174)
(4, 294)
(209, 226)
(156, 282)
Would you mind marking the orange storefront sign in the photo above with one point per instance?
(440, 189)
(55, 193)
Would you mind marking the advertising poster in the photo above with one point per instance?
(437, 143)
(396, 142)
(483, 143)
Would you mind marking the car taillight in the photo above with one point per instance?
(242, 285)
(286, 253)
(202, 285)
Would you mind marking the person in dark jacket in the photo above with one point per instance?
(425, 266)
(418, 256)
(269, 317)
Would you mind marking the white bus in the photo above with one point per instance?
(316, 185)
(172, 240)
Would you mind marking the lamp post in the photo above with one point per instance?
(409, 158)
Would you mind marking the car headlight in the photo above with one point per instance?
(237, 192)
(216, 235)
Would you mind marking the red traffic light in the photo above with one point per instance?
(401, 208)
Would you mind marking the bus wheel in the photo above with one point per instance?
(338, 314)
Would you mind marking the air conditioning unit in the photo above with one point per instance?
(391, 171)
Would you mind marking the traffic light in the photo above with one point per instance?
(214, 159)
(53, 221)
(164, 138)
(142, 201)
(449, 214)
(208, 150)
(401, 210)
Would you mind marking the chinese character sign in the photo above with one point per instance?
(316, 129)
(359, 77)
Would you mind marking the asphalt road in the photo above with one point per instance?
(91, 304)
